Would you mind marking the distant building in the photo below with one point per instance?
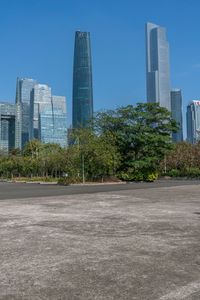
(10, 127)
(193, 122)
(82, 103)
(40, 103)
(60, 120)
(157, 66)
(177, 115)
(23, 98)
(49, 116)
(18, 126)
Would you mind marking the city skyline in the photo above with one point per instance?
(124, 79)
(158, 87)
(36, 114)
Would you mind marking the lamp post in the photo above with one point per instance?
(83, 168)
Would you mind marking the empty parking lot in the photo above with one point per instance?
(128, 243)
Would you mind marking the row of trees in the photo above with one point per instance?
(129, 143)
(183, 161)
(90, 156)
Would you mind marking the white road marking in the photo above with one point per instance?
(183, 292)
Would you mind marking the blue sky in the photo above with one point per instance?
(37, 39)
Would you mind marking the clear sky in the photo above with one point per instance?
(37, 40)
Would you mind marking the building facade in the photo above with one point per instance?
(60, 120)
(10, 127)
(49, 116)
(23, 97)
(82, 103)
(157, 66)
(193, 122)
(40, 103)
(177, 114)
(18, 126)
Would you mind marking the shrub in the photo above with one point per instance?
(174, 173)
(188, 172)
(193, 173)
(69, 180)
(152, 177)
(138, 176)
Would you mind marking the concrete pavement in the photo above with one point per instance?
(124, 244)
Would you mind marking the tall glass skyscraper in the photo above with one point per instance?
(193, 122)
(49, 116)
(157, 66)
(60, 120)
(40, 103)
(23, 98)
(177, 115)
(82, 104)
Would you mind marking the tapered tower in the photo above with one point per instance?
(82, 102)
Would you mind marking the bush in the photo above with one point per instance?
(138, 176)
(36, 179)
(193, 173)
(69, 180)
(189, 173)
(174, 173)
(152, 177)
(63, 181)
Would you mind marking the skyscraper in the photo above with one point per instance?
(49, 116)
(10, 127)
(157, 66)
(176, 110)
(60, 120)
(23, 96)
(18, 126)
(40, 103)
(82, 104)
(193, 122)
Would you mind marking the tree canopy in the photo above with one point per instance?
(142, 135)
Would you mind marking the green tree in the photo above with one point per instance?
(32, 148)
(182, 157)
(93, 156)
(142, 134)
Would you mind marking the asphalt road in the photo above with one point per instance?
(29, 190)
(137, 242)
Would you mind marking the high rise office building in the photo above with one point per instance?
(10, 127)
(177, 115)
(82, 103)
(193, 122)
(40, 103)
(49, 116)
(60, 120)
(157, 66)
(18, 126)
(23, 95)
